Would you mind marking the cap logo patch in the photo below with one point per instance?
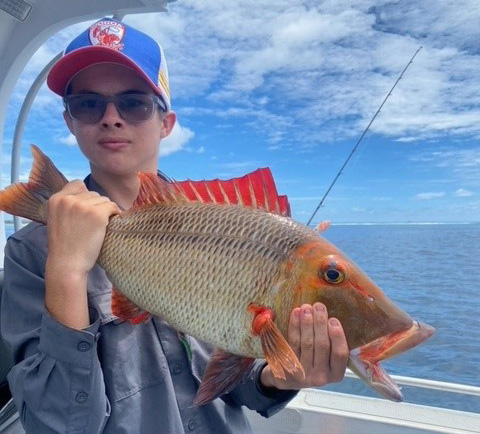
(107, 34)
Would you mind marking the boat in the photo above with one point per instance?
(24, 26)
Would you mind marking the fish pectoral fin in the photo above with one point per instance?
(124, 309)
(276, 350)
(223, 372)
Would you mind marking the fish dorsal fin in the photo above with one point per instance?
(154, 189)
(256, 190)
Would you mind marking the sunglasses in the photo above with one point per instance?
(132, 107)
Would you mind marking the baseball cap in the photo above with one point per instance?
(109, 40)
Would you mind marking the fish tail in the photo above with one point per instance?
(29, 199)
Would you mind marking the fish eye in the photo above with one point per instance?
(332, 272)
(333, 275)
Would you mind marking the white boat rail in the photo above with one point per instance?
(430, 384)
(315, 410)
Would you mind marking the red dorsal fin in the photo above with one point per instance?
(124, 309)
(256, 190)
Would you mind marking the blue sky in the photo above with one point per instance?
(292, 85)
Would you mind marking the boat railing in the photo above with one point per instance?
(319, 410)
(430, 384)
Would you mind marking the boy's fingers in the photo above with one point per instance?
(73, 187)
(322, 340)
(307, 333)
(339, 350)
(294, 331)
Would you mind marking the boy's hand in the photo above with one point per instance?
(321, 348)
(77, 221)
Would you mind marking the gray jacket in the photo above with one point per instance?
(112, 377)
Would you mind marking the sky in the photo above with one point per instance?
(292, 86)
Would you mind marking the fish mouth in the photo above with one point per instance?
(364, 361)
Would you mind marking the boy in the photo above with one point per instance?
(78, 368)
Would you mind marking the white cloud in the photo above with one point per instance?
(440, 23)
(461, 192)
(176, 141)
(429, 196)
(323, 65)
(69, 140)
(463, 163)
(199, 150)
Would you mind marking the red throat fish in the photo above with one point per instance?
(223, 262)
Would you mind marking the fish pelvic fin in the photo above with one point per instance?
(125, 309)
(223, 372)
(256, 190)
(277, 352)
(28, 199)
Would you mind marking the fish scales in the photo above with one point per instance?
(213, 260)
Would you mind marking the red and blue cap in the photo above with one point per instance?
(109, 40)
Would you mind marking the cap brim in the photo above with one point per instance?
(72, 63)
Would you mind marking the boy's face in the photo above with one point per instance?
(114, 146)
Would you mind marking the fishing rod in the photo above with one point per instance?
(361, 137)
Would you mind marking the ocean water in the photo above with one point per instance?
(433, 273)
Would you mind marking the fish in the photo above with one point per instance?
(224, 262)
